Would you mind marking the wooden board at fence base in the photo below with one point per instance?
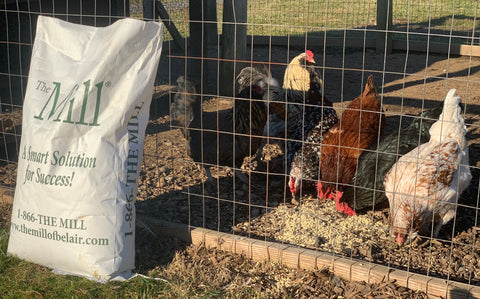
(163, 228)
(350, 269)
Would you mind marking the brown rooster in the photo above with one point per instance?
(358, 127)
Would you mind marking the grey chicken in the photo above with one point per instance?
(181, 109)
(261, 76)
(250, 116)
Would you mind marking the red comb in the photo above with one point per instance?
(399, 239)
(292, 186)
(309, 54)
(343, 206)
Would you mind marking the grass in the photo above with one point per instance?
(21, 279)
(293, 17)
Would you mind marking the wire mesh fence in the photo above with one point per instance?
(220, 159)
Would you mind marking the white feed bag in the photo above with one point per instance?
(84, 117)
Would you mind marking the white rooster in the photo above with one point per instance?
(424, 185)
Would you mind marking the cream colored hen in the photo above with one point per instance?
(424, 185)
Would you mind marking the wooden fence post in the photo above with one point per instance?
(148, 9)
(233, 43)
(153, 9)
(384, 24)
(211, 25)
(197, 47)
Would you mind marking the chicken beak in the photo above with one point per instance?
(399, 238)
(399, 235)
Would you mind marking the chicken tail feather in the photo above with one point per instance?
(369, 87)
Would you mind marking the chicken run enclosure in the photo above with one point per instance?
(218, 152)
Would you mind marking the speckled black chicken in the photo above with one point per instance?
(250, 116)
(317, 112)
(305, 162)
(374, 163)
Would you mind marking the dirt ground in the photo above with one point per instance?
(173, 187)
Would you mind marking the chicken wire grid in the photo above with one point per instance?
(253, 198)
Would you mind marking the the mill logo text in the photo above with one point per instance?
(57, 106)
